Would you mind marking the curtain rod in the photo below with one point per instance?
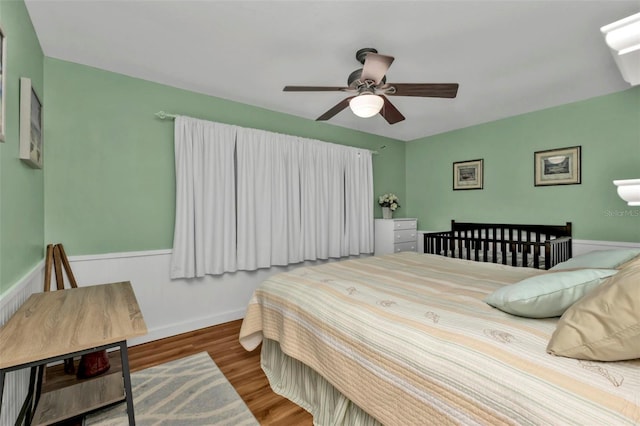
(166, 116)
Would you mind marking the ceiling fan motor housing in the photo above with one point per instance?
(361, 54)
(355, 82)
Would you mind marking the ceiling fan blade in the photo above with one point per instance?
(390, 112)
(336, 109)
(314, 89)
(427, 90)
(375, 67)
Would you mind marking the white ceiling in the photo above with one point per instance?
(509, 57)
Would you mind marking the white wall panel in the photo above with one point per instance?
(170, 306)
(17, 382)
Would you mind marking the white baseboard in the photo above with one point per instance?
(161, 332)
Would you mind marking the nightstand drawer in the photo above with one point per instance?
(405, 236)
(405, 224)
(412, 246)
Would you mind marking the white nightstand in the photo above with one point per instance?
(396, 235)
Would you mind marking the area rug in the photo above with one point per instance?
(191, 391)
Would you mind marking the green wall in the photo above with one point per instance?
(110, 178)
(607, 128)
(21, 187)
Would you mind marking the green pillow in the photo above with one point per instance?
(547, 295)
(599, 259)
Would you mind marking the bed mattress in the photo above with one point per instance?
(407, 338)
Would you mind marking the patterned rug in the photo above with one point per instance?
(191, 391)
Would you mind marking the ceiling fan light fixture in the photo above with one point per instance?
(366, 105)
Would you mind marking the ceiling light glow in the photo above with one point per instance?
(366, 105)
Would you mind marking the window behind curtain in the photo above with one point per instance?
(249, 199)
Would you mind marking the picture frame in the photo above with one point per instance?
(31, 145)
(468, 175)
(3, 79)
(560, 166)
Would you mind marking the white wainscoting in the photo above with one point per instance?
(17, 382)
(585, 246)
(172, 307)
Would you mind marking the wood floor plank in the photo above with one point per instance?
(240, 367)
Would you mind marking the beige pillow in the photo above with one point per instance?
(605, 324)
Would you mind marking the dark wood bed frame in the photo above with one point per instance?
(503, 243)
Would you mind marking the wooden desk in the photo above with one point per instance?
(55, 325)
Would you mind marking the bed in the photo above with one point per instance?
(406, 339)
(536, 246)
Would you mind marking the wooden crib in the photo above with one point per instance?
(535, 246)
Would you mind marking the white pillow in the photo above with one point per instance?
(547, 295)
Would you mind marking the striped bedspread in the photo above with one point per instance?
(408, 339)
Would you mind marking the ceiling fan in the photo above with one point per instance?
(368, 87)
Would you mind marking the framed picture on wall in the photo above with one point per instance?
(468, 174)
(3, 67)
(30, 125)
(559, 166)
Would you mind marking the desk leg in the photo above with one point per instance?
(29, 406)
(2, 373)
(37, 376)
(124, 356)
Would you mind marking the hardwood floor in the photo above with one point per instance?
(241, 368)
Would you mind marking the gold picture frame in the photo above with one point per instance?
(560, 166)
(31, 147)
(468, 175)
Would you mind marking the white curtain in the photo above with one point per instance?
(204, 240)
(358, 196)
(323, 199)
(266, 199)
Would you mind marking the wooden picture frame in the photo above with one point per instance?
(31, 147)
(560, 166)
(468, 174)
(3, 86)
